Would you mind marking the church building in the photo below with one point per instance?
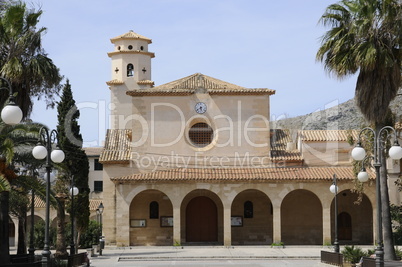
(195, 161)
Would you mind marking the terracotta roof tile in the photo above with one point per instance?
(146, 82)
(198, 81)
(283, 155)
(240, 174)
(114, 82)
(93, 151)
(327, 135)
(131, 35)
(39, 203)
(94, 204)
(279, 141)
(117, 146)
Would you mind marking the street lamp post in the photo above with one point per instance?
(73, 192)
(334, 189)
(31, 249)
(101, 241)
(11, 113)
(359, 154)
(41, 151)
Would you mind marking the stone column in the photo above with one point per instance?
(227, 227)
(326, 223)
(122, 219)
(276, 214)
(176, 225)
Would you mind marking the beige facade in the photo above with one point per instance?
(194, 161)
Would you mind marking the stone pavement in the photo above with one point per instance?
(114, 254)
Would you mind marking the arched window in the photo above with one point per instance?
(154, 210)
(130, 70)
(248, 209)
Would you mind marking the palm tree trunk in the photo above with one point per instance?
(389, 249)
(4, 239)
(22, 247)
(61, 248)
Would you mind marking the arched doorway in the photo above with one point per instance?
(255, 208)
(355, 219)
(201, 220)
(149, 212)
(301, 219)
(11, 232)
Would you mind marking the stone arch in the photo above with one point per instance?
(301, 218)
(355, 221)
(149, 231)
(11, 232)
(258, 229)
(201, 198)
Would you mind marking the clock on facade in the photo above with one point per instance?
(200, 107)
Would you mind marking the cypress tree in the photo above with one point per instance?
(76, 161)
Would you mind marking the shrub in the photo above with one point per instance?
(352, 254)
(91, 235)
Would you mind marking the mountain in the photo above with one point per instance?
(344, 116)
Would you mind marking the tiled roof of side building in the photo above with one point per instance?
(117, 146)
(279, 141)
(241, 174)
(93, 151)
(198, 81)
(328, 135)
(93, 203)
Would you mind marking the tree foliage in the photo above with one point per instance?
(23, 61)
(365, 37)
(76, 162)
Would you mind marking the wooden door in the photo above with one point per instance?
(344, 226)
(201, 220)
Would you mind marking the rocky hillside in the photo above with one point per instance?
(341, 117)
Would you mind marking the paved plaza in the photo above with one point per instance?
(258, 256)
(197, 256)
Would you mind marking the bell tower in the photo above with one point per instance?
(131, 70)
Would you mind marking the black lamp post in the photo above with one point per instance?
(73, 192)
(101, 241)
(31, 249)
(358, 153)
(11, 115)
(334, 189)
(41, 151)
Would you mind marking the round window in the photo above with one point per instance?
(201, 134)
(130, 47)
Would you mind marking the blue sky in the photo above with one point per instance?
(251, 43)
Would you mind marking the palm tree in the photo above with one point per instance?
(14, 144)
(366, 38)
(23, 60)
